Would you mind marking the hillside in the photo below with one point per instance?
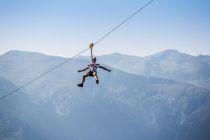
(123, 106)
(169, 64)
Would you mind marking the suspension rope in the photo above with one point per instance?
(123, 22)
(71, 58)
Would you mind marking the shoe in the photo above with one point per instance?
(80, 85)
(97, 81)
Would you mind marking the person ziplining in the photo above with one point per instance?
(92, 68)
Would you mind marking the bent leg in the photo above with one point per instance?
(83, 80)
(84, 77)
(96, 77)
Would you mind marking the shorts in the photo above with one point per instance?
(90, 73)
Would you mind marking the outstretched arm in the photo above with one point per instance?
(104, 68)
(83, 69)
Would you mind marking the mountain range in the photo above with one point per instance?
(169, 64)
(158, 97)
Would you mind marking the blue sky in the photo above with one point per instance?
(65, 27)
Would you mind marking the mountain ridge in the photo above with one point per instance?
(122, 106)
(115, 53)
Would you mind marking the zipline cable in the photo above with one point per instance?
(123, 22)
(71, 58)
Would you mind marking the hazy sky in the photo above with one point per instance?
(65, 27)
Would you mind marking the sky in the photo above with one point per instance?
(66, 27)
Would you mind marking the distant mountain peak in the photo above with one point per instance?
(27, 54)
(18, 52)
(171, 53)
(118, 54)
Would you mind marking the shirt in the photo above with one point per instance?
(93, 67)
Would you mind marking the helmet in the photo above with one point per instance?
(94, 58)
